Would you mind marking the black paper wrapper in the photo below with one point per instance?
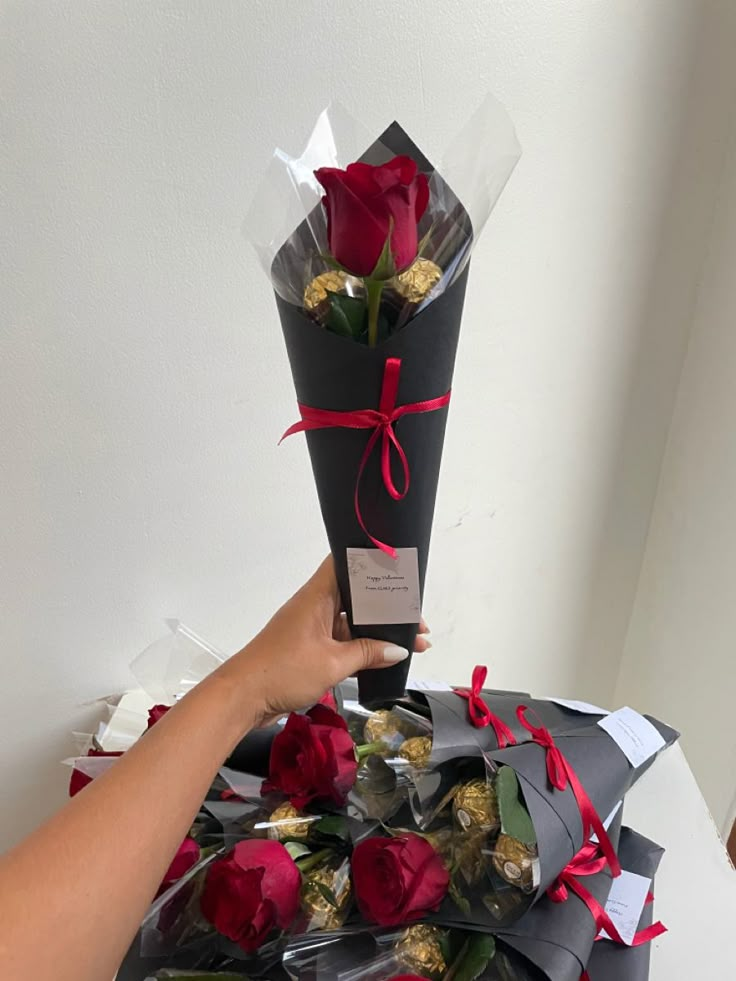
(335, 373)
(610, 961)
(601, 768)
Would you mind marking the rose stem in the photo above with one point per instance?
(313, 861)
(367, 748)
(373, 289)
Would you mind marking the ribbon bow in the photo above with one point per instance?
(588, 861)
(561, 774)
(381, 421)
(480, 715)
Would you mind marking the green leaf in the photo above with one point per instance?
(332, 826)
(326, 893)
(296, 849)
(515, 819)
(346, 315)
(473, 959)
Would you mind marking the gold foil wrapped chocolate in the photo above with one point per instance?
(475, 806)
(515, 862)
(415, 284)
(317, 887)
(416, 751)
(382, 726)
(284, 824)
(419, 950)
(316, 301)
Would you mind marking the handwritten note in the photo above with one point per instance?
(635, 736)
(625, 904)
(584, 707)
(382, 589)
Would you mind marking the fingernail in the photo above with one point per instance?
(423, 628)
(392, 654)
(428, 643)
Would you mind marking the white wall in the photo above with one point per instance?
(679, 656)
(144, 379)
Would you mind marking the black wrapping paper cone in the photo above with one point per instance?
(454, 735)
(557, 938)
(601, 768)
(610, 961)
(339, 374)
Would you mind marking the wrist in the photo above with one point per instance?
(232, 702)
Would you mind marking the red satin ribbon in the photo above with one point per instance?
(480, 715)
(560, 773)
(588, 861)
(381, 421)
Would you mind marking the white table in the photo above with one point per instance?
(695, 892)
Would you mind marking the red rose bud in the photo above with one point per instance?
(251, 892)
(156, 713)
(398, 880)
(313, 757)
(186, 858)
(361, 204)
(79, 780)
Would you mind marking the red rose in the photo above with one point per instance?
(186, 858)
(251, 892)
(398, 880)
(156, 713)
(79, 780)
(313, 757)
(362, 201)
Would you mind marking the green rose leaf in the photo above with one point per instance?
(327, 894)
(296, 849)
(332, 826)
(346, 315)
(515, 819)
(473, 959)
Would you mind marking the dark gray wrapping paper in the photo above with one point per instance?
(332, 372)
(610, 961)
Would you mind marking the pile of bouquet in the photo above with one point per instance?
(453, 834)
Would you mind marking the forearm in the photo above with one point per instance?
(91, 871)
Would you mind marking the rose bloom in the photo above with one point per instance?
(313, 757)
(364, 203)
(251, 892)
(398, 880)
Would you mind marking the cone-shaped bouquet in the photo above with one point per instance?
(370, 280)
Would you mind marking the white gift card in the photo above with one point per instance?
(427, 684)
(382, 589)
(626, 902)
(635, 736)
(585, 707)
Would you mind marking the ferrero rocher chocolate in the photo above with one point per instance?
(419, 950)
(315, 294)
(416, 751)
(382, 724)
(475, 806)
(416, 283)
(325, 916)
(514, 861)
(284, 823)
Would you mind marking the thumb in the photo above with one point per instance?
(363, 654)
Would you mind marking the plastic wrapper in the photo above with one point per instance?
(614, 962)
(413, 363)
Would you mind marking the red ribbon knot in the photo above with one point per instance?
(561, 774)
(589, 861)
(381, 421)
(480, 715)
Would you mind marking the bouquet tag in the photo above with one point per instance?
(426, 684)
(625, 904)
(382, 589)
(585, 707)
(635, 736)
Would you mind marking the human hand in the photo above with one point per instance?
(306, 649)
